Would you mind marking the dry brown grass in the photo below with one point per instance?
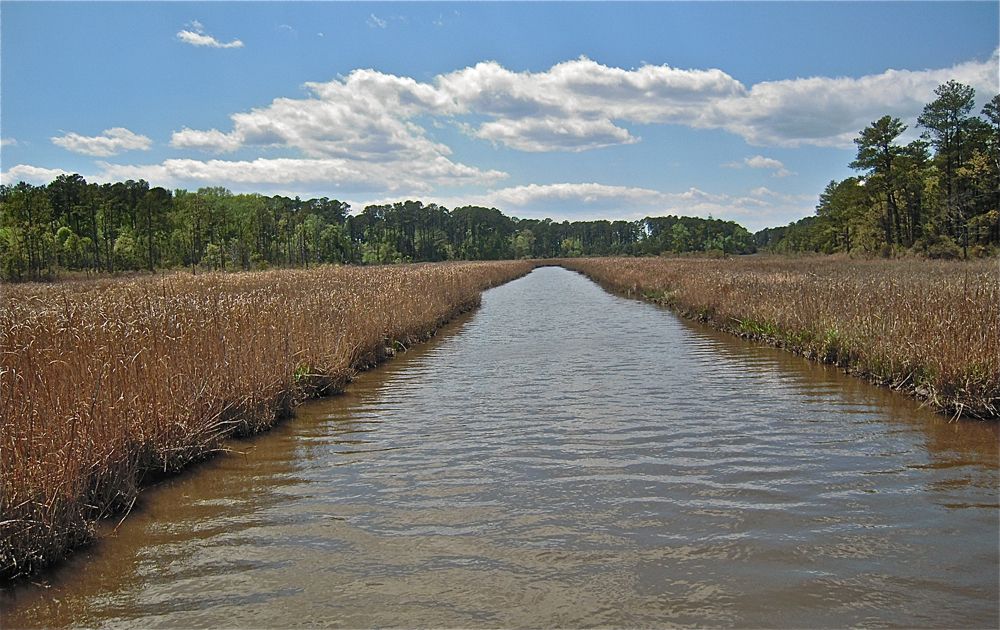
(103, 383)
(930, 328)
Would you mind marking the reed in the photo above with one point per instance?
(931, 328)
(105, 383)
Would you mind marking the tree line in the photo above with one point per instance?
(937, 196)
(71, 224)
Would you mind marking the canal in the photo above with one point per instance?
(564, 457)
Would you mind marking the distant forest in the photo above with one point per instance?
(907, 198)
(71, 224)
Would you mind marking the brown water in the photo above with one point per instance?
(565, 457)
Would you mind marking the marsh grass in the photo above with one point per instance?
(106, 383)
(931, 328)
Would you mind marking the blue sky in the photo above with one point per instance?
(741, 111)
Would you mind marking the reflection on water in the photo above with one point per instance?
(564, 457)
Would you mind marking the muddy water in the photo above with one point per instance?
(564, 457)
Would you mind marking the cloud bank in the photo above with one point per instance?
(578, 105)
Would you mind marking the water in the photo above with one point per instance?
(565, 457)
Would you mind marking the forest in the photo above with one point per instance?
(936, 196)
(73, 225)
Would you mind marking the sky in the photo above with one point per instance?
(741, 111)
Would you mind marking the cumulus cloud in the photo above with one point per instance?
(590, 194)
(211, 140)
(825, 111)
(573, 105)
(362, 122)
(761, 162)
(111, 142)
(197, 36)
(8, 142)
(31, 174)
(554, 134)
(576, 105)
(817, 111)
(375, 21)
(763, 191)
(305, 173)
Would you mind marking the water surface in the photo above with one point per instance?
(565, 457)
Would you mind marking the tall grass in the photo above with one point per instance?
(104, 383)
(930, 328)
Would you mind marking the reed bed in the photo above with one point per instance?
(106, 383)
(931, 328)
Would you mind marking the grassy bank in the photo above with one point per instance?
(106, 383)
(929, 328)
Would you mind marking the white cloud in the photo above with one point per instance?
(308, 174)
(763, 191)
(198, 37)
(761, 162)
(361, 122)
(8, 142)
(554, 134)
(111, 142)
(320, 176)
(211, 140)
(807, 111)
(375, 21)
(31, 174)
(825, 111)
(590, 194)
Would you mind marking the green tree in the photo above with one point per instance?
(523, 243)
(876, 156)
(26, 213)
(127, 250)
(152, 224)
(947, 122)
(680, 238)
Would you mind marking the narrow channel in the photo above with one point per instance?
(565, 457)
